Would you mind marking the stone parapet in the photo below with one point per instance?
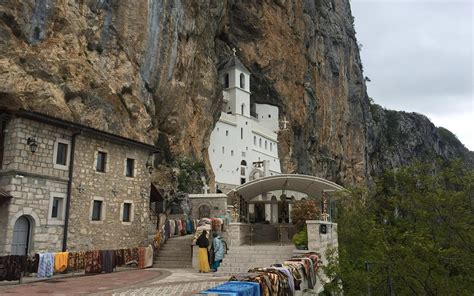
(239, 234)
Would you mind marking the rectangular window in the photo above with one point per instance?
(61, 154)
(56, 210)
(101, 161)
(127, 209)
(130, 167)
(241, 133)
(97, 210)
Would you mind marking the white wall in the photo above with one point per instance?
(267, 116)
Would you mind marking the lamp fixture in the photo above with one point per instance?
(31, 141)
(149, 164)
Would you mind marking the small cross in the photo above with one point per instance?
(114, 191)
(285, 122)
(205, 188)
(81, 188)
(234, 50)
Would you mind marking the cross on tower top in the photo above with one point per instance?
(234, 50)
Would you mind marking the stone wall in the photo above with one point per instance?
(217, 203)
(32, 180)
(114, 188)
(320, 243)
(239, 234)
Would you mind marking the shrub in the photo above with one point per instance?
(301, 238)
(304, 210)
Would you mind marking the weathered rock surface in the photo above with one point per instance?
(147, 70)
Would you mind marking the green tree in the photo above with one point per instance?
(413, 234)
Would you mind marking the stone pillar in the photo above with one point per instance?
(274, 213)
(320, 242)
(290, 208)
(268, 212)
(239, 233)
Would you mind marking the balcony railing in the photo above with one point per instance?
(229, 118)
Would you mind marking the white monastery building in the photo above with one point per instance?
(244, 143)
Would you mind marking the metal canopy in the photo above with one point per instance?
(310, 185)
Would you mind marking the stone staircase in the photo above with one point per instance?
(242, 258)
(175, 253)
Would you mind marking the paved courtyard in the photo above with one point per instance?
(152, 281)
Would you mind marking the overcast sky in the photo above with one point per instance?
(419, 57)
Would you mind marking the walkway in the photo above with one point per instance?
(181, 282)
(85, 284)
(152, 281)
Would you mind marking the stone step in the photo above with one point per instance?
(252, 261)
(170, 258)
(171, 265)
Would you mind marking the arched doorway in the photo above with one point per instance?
(21, 236)
(204, 211)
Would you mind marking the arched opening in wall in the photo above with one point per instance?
(242, 80)
(260, 143)
(255, 140)
(22, 232)
(242, 109)
(243, 167)
(226, 80)
(204, 211)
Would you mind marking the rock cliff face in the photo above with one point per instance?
(146, 69)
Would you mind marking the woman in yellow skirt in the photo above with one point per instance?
(203, 244)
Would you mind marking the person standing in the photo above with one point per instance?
(219, 251)
(203, 243)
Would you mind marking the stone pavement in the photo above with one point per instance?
(181, 282)
(152, 281)
(83, 285)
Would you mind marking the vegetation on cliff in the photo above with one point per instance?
(413, 234)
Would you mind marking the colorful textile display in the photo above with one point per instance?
(45, 265)
(11, 267)
(141, 257)
(107, 258)
(31, 264)
(92, 262)
(148, 256)
(60, 261)
(238, 288)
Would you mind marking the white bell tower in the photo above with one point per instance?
(235, 79)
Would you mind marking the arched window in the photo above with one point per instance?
(241, 132)
(226, 80)
(242, 109)
(271, 146)
(242, 80)
(255, 140)
(243, 165)
(266, 144)
(260, 143)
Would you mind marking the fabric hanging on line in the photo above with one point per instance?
(119, 257)
(60, 261)
(261, 279)
(141, 257)
(237, 288)
(92, 262)
(32, 264)
(45, 265)
(11, 267)
(148, 256)
(107, 258)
